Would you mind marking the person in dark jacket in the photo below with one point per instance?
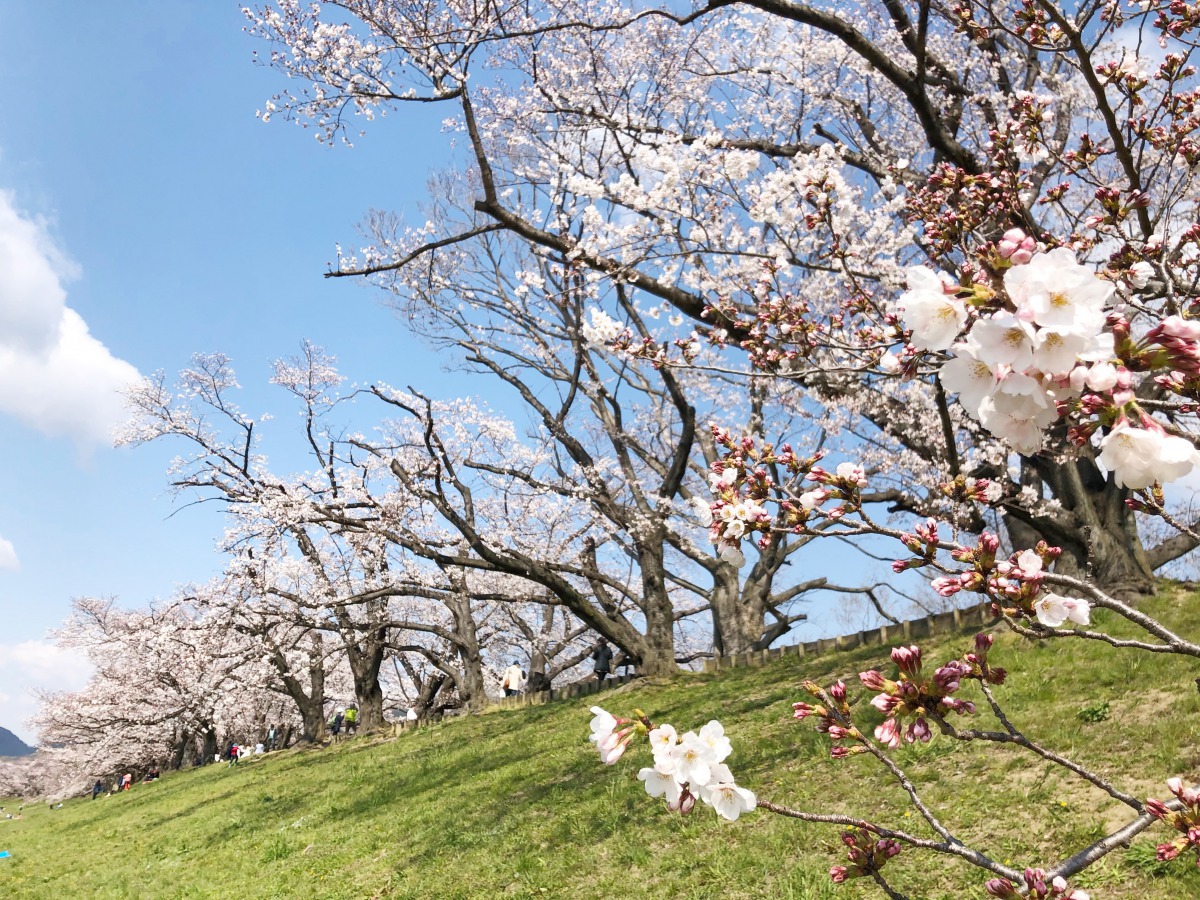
(602, 661)
(97, 789)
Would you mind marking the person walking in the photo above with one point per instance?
(351, 720)
(271, 738)
(97, 789)
(602, 660)
(335, 721)
(514, 680)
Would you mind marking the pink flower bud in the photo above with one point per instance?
(946, 586)
(1167, 852)
(983, 643)
(1001, 887)
(1036, 880)
(838, 691)
(1184, 329)
(884, 703)
(838, 874)
(908, 659)
(1158, 809)
(888, 733)
(919, 731)
(872, 680)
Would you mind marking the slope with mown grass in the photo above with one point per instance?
(514, 803)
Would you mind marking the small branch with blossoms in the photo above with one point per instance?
(691, 767)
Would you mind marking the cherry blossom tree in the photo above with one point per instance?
(169, 684)
(325, 569)
(628, 433)
(775, 192)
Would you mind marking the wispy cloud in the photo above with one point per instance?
(54, 375)
(29, 666)
(8, 556)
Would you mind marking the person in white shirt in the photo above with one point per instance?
(514, 679)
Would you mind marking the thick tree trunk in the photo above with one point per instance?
(208, 751)
(737, 612)
(469, 678)
(1095, 529)
(538, 680)
(657, 656)
(180, 751)
(310, 703)
(365, 663)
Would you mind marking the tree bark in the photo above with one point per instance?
(365, 662)
(1095, 529)
(469, 678)
(737, 620)
(657, 650)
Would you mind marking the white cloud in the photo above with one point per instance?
(36, 665)
(54, 376)
(8, 556)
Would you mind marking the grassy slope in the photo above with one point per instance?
(515, 804)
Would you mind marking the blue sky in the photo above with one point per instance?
(140, 197)
(135, 177)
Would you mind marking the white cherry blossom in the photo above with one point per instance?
(1053, 610)
(1058, 293)
(1140, 457)
(934, 316)
(1003, 340)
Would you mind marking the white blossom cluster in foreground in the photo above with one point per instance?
(686, 768)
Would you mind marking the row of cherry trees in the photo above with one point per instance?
(404, 570)
(957, 241)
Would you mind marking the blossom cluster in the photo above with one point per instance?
(1017, 363)
(1185, 820)
(867, 854)
(686, 768)
(1015, 584)
(832, 713)
(1036, 888)
(1048, 343)
(913, 697)
(741, 484)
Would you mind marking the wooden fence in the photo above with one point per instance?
(939, 623)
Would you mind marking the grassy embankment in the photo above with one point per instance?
(515, 804)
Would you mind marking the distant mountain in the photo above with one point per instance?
(11, 745)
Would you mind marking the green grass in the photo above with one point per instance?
(515, 804)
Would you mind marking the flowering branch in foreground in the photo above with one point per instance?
(1185, 820)
(686, 768)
